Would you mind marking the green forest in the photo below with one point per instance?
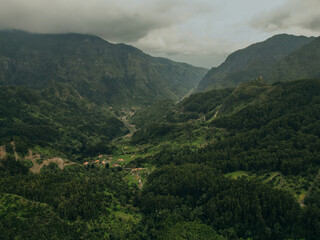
(58, 119)
(235, 163)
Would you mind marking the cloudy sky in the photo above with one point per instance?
(200, 32)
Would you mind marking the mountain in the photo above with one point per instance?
(301, 64)
(116, 74)
(76, 203)
(57, 119)
(22, 218)
(245, 156)
(235, 163)
(252, 62)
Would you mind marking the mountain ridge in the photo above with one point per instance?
(249, 63)
(116, 74)
(303, 63)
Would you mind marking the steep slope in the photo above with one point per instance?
(236, 168)
(301, 64)
(57, 118)
(256, 60)
(263, 138)
(255, 127)
(24, 219)
(74, 203)
(117, 74)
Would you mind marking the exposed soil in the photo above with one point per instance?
(130, 127)
(36, 168)
(216, 114)
(16, 156)
(3, 152)
(135, 172)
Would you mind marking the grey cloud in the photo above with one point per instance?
(116, 21)
(271, 21)
(124, 29)
(188, 30)
(295, 13)
(152, 25)
(155, 22)
(314, 24)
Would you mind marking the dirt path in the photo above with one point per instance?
(281, 183)
(138, 177)
(273, 176)
(191, 91)
(16, 156)
(216, 114)
(136, 172)
(140, 182)
(36, 168)
(3, 152)
(316, 179)
(32, 156)
(124, 153)
(130, 127)
(124, 119)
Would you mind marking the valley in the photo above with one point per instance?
(122, 151)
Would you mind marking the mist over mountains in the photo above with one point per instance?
(114, 74)
(269, 60)
(102, 141)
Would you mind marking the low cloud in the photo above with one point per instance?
(113, 20)
(185, 46)
(201, 32)
(156, 26)
(294, 15)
